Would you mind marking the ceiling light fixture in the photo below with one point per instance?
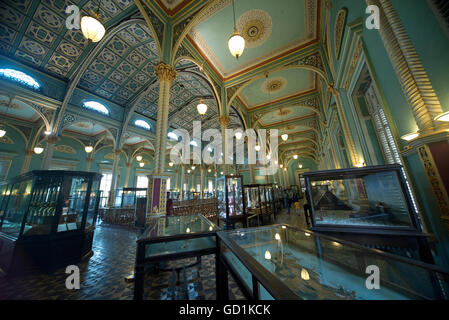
(257, 147)
(141, 164)
(202, 107)
(238, 135)
(92, 29)
(295, 156)
(139, 158)
(236, 42)
(47, 132)
(300, 166)
(170, 164)
(38, 150)
(284, 137)
(88, 149)
(2, 133)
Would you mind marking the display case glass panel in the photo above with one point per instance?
(42, 209)
(372, 197)
(230, 198)
(94, 203)
(299, 264)
(173, 226)
(16, 207)
(74, 200)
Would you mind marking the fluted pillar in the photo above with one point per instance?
(114, 179)
(166, 75)
(128, 172)
(224, 122)
(27, 161)
(410, 72)
(49, 149)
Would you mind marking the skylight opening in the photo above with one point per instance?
(96, 106)
(143, 124)
(19, 76)
(172, 136)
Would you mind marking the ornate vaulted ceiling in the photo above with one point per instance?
(270, 28)
(34, 32)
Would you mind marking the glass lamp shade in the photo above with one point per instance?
(38, 150)
(202, 108)
(209, 170)
(300, 166)
(170, 164)
(88, 149)
(139, 158)
(281, 166)
(284, 137)
(295, 156)
(238, 135)
(305, 274)
(92, 29)
(236, 44)
(141, 164)
(267, 255)
(2, 133)
(47, 132)
(257, 148)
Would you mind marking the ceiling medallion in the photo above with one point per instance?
(284, 112)
(274, 85)
(255, 26)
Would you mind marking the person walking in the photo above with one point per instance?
(295, 199)
(287, 201)
(307, 208)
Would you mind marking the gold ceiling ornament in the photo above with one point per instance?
(274, 85)
(224, 121)
(284, 112)
(255, 26)
(165, 72)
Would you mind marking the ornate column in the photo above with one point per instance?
(182, 180)
(202, 181)
(411, 74)
(176, 178)
(27, 161)
(345, 127)
(224, 122)
(49, 149)
(89, 163)
(166, 75)
(251, 172)
(128, 171)
(114, 179)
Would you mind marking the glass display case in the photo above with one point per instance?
(277, 192)
(172, 238)
(132, 204)
(282, 262)
(259, 202)
(360, 199)
(231, 208)
(47, 218)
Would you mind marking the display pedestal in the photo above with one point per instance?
(157, 195)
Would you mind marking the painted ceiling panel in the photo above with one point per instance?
(282, 84)
(269, 29)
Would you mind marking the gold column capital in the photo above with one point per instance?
(29, 152)
(224, 121)
(117, 152)
(165, 72)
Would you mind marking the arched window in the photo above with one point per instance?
(172, 136)
(143, 124)
(19, 76)
(96, 106)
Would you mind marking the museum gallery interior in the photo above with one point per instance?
(318, 141)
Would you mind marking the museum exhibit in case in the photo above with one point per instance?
(259, 202)
(370, 205)
(133, 203)
(172, 238)
(231, 205)
(47, 219)
(283, 262)
(277, 193)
